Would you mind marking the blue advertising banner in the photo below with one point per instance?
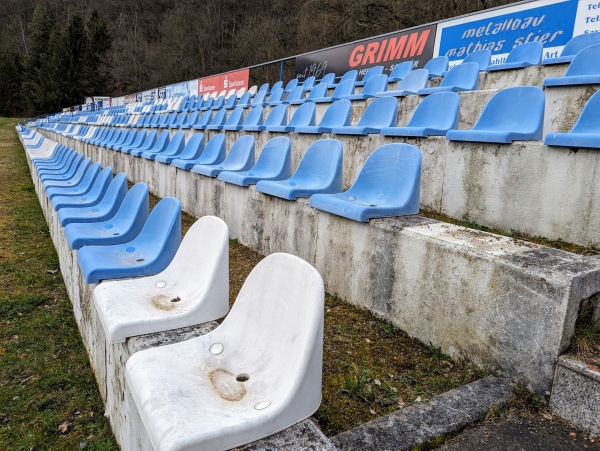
(550, 22)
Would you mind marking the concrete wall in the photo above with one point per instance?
(505, 304)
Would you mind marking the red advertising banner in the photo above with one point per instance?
(231, 80)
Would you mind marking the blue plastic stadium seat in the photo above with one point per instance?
(573, 47)
(329, 79)
(380, 113)
(180, 120)
(276, 97)
(218, 121)
(121, 227)
(463, 77)
(376, 84)
(137, 141)
(387, 185)
(320, 171)
(233, 122)
(274, 163)
(147, 144)
(203, 120)
(192, 150)
(244, 101)
(303, 116)
(410, 85)
(148, 253)
(292, 84)
(343, 88)
(295, 95)
(309, 83)
(585, 132)
(511, 114)
(253, 119)
(92, 197)
(277, 85)
(371, 72)
(435, 115)
(259, 99)
(528, 54)
(230, 102)
(174, 147)
(190, 121)
(400, 71)
(583, 70)
(481, 57)
(159, 146)
(277, 116)
(240, 158)
(213, 153)
(338, 114)
(129, 137)
(351, 75)
(207, 104)
(105, 209)
(77, 186)
(317, 92)
(437, 66)
(219, 103)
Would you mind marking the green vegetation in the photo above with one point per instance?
(586, 340)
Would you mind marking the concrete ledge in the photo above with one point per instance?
(417, 424)
(476, 295)
(576, 393)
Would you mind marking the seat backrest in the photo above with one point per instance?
(481, 57)
(392, 173)
(465, 76)
(375, 84)
(276, 153)
(589, 119)
(162, 141)
(317, 91)
(193, 148)
(241, 151)
(309, 82)
(304, 115)
(437, 66)
(219, 102)
(296, 94)
(291, 85)
(163, 225)
(322, 163)
(176, 144)
(438, 110)
(259, 98)
(255, 116)
(372, 72)
(208, 102)
(414, 80)
(381, 112)
(277, 116)
(219, 118)
(517, 109)
(150, 140)
(276, 95)
(578, 43)
(253, 90)
(236, 117)
(193, 117)
(136, 204)
(205, 118)
(282, 297)
(343, 88)
(400, 70)
(231, 101)
(214, 151)
(586, 62)
(350, 75)
(530, 53)
(328, 78)
(245, 99)
(263, 87)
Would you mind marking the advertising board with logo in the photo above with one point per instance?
(224, 82)
(551, 22)
(410, 45)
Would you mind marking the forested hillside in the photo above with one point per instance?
(55, 52)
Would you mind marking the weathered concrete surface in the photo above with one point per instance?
(417, 424)
(576, 393)
(410, 270)
(302, 436)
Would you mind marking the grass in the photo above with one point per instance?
(48, 396)
(585, 343)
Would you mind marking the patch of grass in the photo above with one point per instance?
(543, 241)
(585, 344)
(45, 378)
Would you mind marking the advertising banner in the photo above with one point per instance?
(178, 89)
(117, 101)
(231, 80)
(411, 45)
(588, 17)
(130, 98)
(550, 22)
(151, 94)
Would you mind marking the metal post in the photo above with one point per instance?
(281, 71)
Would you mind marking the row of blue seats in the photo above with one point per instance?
(151, 281)
(395, 190)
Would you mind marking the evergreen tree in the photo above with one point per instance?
(70, 63)
(34, 83)
(97, 75)
(10, 83)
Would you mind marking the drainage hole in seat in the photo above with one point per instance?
(177, 299)
(242, 377)
(140, 260)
